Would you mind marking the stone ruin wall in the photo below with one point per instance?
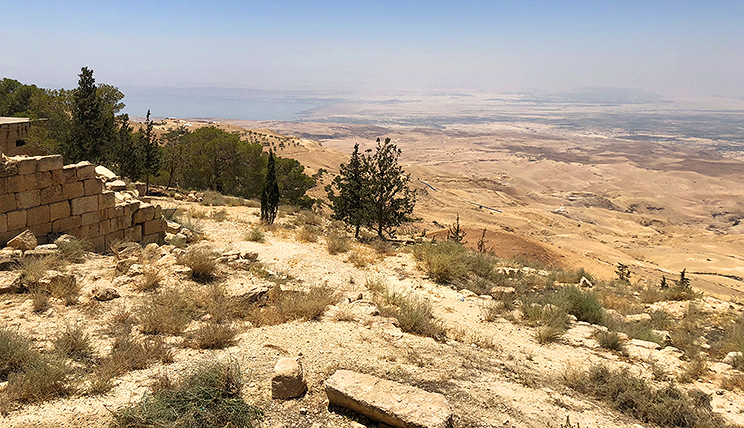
(48, 198)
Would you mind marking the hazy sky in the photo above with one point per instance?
(691, 48)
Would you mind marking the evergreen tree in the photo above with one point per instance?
(150, 152)
(127, 153)
(88, 136)
(270, 193)
(391, 201)
(350, 205)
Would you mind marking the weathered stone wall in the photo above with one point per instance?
(49, 198)
(12, 132)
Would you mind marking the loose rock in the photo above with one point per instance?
(106, 294)
(287, 381)
(24, 241)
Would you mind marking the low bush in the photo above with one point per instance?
(632, 395)
(285, 306)
(581, 304)
(212, 336)
(41, 378)
(219, 215)
(609, 340)
(15, 353)
(337, 244)
(308, 233)
(72, 249)
(414, 314)
(445, 261)
(202, 261)
(150, 278)
(74, 343)
(166, 313)
(360, 259)
(255, 235)
(210, 396)
(382, 247)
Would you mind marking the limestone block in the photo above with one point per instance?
(7, 202)
(104, 227)
(69, 174)
(28, 199)
(25, 241)
(90, 218)
(388, 402)
(50, 163)
(3, 222)
(145, 213)
(287, 381)
(43, 179)
(16, 219)
(85, 171)
(105, 173)
(73, 190)
(59, 210)
(37, 215)
(141, 187)
(643, 317)
(67, 224)
(107, 200)
(85, 204)
(116, 185)
(154, 226)
(155, 238)
(93, 186)
(26, 166)
(15, 184)
(130, 207)
(41, 230)
(52, 194)
(126, 222)
(98, 243)
(134, 233)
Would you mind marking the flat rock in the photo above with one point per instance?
(388, 402)
(24, 241)
(287, 381)
(731, 358)
(503, 293)
(116, 185)
(645, 344)
(638, 317)
(106, 173)
(106, 294)
(10, 282)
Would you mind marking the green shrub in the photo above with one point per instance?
(445, 261)
(581, 304)
(414, 314)
(210, 396)
(609, 340)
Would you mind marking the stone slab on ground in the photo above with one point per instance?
(388, 402)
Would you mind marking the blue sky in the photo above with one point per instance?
(676, 48)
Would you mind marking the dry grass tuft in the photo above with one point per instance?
(255, 235)
(202, 261)
(285, 306)
(74, 343)
(72, 249)
(308, 233)
(209, 396)
(150, 279)
(336, 244)
(166, 313)
(360, 259)
(212, 336)
(414, 314)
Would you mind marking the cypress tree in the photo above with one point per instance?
(88, 128)
(270, 193)
(150, 152)
(351, 205)
(391, 200)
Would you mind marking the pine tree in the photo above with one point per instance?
(391, 201)
(270, 193)
(351, 203)
(150, 152)
(88, 136)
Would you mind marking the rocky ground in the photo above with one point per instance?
(491, 369)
